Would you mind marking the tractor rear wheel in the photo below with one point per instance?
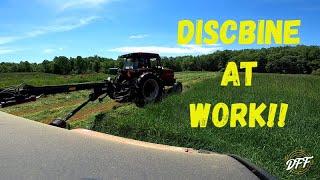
(149, 90)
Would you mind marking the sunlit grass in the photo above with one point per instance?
(168, 122)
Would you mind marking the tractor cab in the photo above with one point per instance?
(136, 61)
(136, 64)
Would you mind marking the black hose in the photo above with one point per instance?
(76, 110)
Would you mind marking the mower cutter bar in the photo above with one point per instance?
(26, 93)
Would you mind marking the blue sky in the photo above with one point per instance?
(35, 30)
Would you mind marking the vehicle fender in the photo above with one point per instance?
(146, 74)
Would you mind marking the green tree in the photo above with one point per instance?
(61, 65)
(47, 66)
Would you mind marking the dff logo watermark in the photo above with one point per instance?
(298, 162)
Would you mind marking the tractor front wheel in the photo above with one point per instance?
(150, 90)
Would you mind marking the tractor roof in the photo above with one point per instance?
(140, 54)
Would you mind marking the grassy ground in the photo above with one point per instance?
(38, 79)
(167, 122)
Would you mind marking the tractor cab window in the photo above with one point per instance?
(135, 63)
(143, 63)
(153, 62)
(130, 63)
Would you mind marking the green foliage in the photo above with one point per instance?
(62, 65)
(40, 79)
(47, 67)
(289, 60)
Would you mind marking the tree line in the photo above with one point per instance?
(290, 60)
(293, 60)
(62, 65)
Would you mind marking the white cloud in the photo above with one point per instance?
(83, 3)
(63, 5)
(138, 36)
(180, 50)
(48, 51)
(7, 51)
(67, 26)
(8, 39)
(51, 50)
(58, 27)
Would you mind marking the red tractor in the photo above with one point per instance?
(141, 80)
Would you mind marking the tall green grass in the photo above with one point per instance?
(168, 122)
(40, 79)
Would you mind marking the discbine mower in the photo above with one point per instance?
(142, 80)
